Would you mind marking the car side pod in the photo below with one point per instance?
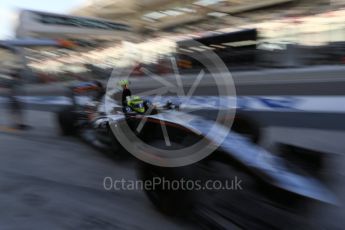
(266, 166)
(272, 169)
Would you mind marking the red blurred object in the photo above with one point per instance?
(66, 43)
(343, 60)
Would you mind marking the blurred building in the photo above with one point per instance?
(171, 16)
(115, 34)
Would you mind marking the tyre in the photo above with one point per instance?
(176, 203)
(252, 205)
(247, 127)
(67, 121)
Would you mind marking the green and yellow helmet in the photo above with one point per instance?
(137, 104)
(123, 82)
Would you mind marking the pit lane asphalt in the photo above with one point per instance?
(53, 182)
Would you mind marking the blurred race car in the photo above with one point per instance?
(87, 117)
(270, 184)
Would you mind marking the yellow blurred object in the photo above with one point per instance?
(185, 64)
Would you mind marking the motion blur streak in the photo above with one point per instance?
(196, 92)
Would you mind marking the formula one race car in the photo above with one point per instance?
(267, 179)
(87, 113)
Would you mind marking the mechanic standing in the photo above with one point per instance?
(11, 66)
(16, 107)
(125, 91)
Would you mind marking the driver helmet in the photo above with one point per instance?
(136, 103)
(123, 83)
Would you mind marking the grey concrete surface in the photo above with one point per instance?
(326, 141)
(53, 182)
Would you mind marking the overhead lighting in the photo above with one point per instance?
(185, 50)
(188, 10)
(206, 2)
(155, 15)
(172, 12)
(241, 43)
(197, 49)
(217, 14)
(148, 19)
(218, 46)
(207, 47)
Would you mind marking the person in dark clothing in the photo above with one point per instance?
(125, 91)
(100, 90)
(12, 66)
